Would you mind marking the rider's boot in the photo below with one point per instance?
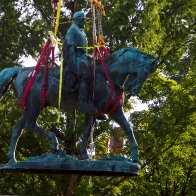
(102, 117)
(85, 105)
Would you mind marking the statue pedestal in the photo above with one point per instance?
(114, 166)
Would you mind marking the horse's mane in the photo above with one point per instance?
(122, 52)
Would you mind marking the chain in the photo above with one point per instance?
(52, 16)
(97, 10)
(94, 24)
(91, 145)
(99, 21)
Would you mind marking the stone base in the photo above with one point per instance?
(50, 164)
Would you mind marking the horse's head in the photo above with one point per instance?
(139, 68)
(137, 65)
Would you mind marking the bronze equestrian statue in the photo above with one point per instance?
(127, 69)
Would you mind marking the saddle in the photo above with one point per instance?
(71, 78)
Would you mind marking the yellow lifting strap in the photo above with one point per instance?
(57, 18)
(54, 40)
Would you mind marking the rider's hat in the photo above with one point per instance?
(79, 14)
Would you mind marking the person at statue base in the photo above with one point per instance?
(79, 62)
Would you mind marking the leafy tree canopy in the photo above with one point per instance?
(165, 132)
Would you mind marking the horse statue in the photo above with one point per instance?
(128, 68)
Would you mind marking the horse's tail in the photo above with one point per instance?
(6, 78)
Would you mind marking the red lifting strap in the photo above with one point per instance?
(55, 1)
(109, 107)
(43, 60)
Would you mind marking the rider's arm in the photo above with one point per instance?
(69, 50)
(72, 55)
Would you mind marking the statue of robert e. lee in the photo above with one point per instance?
(79, 62)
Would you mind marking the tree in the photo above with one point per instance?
(165, 132)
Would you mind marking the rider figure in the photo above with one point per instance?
(76, 57)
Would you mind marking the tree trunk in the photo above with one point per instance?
(71, 186)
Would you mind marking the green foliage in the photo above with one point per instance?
(165, 132)
(21, 31)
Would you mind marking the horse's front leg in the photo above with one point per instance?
(118, 117)
(89, 124)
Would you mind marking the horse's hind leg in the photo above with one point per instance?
(119, 117)
(89, 123)
(51, 136)
(31, 124)
(17, 132)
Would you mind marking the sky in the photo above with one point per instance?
(27, 61)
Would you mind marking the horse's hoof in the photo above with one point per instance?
(58, 132)
(54, 145)
(135, 157)
(12, 161)
(54, 148)
(60, 152)
(84, 157)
